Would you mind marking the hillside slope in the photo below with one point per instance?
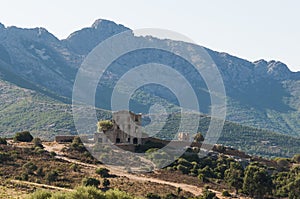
(24, 109)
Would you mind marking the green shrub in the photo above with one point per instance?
(208, 195)
(172, 196)
(90, 182)
(116, 194)
(77, 144)
(3, 141)
(24, 136)
(104, 125)
(152, 196)
(74, 167)
(183, 169)
(52, 154)
(226, 193)
(105, 183)
(24, 176)
(296, 158)
(87, 193)
(40, 172)
(29, 167)
(51, 176)
(4, 157)
(103, 172)
(40, 194)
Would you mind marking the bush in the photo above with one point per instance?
(104, 125)
(40, 172)
(226, 193)
(40, 194)
(3, 141)
(74, 167)
(105, 183)
(296, 158)
(77, 144)
(52, 154)
(81, 193)
(208, 195)
(283, 163)
(24, 136)
(29, 167)
(172, 196)
(51, 176)
(152, 196)
(87, 192)
(183, 169)
(24, 176)
(103, 172)
(112, 194)
(199, 138)
(4, 157)
(90, 182)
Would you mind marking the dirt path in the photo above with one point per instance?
(40, 185)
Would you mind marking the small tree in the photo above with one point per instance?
(103, 172)
(24, 136)
(104, 125)
(199, 138)
(90, 182)
(233, 176)
(257, 181)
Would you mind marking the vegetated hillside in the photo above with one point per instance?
(27, 168)
(30, 166)
(262, 94)
(251, 140)
(24, 109)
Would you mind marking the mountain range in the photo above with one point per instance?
(37, 73)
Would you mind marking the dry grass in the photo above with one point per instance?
(10, 193)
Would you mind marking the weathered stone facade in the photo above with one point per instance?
(126, 129)
(184, 137)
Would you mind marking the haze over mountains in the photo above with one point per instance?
(262, 94)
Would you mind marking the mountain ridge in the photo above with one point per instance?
(262, 94)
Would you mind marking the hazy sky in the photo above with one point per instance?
(253, 29)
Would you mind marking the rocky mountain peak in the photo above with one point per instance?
(274, 69)
(103, 23)
(84, 40)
